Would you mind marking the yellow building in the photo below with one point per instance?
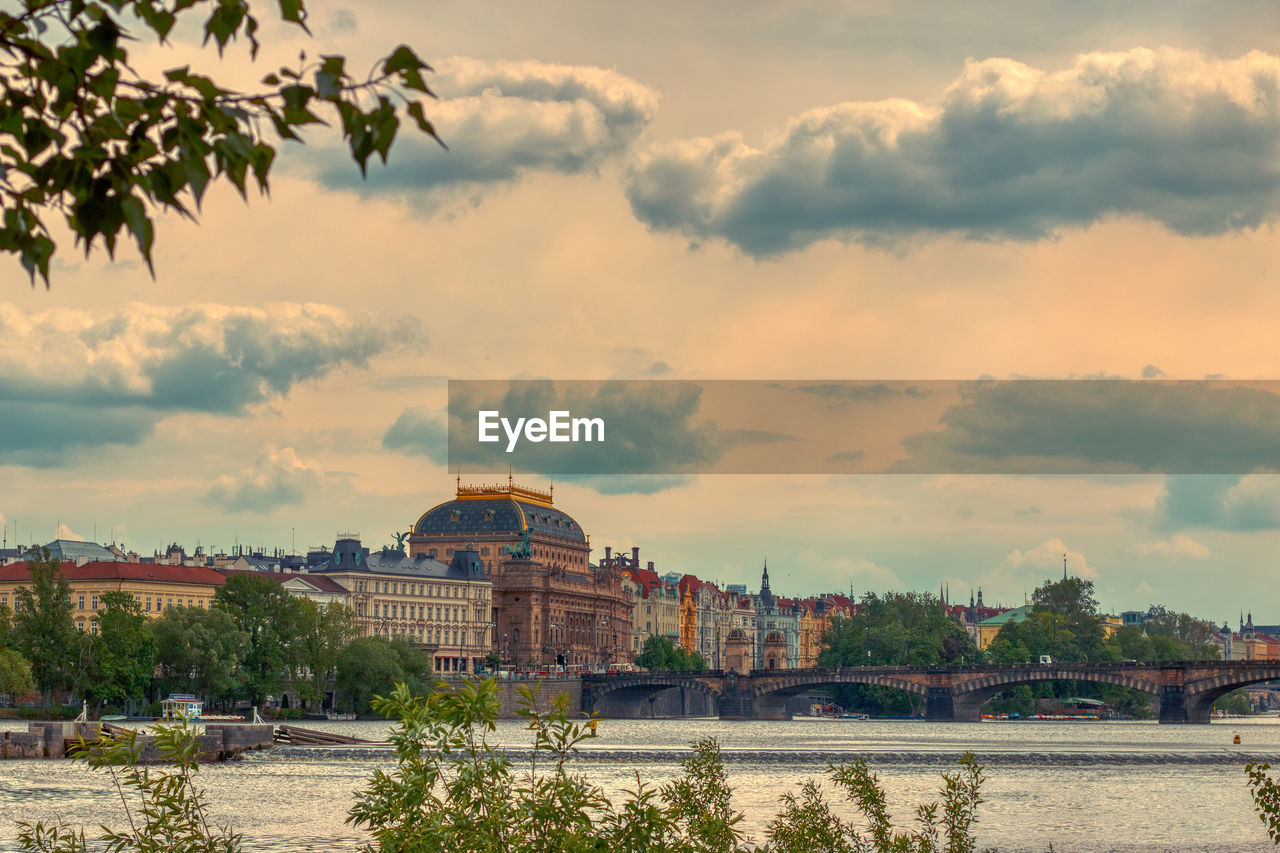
(688, 618)
(988, 628)
(155, 587)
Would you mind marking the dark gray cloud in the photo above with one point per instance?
(421, 431)
(71, 380)
(1221, 502)
(502, 120)
(1103, 426)
(862, 392)
(45, 434)
(1009, 152)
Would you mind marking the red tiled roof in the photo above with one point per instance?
(103, 570)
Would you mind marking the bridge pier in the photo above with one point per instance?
(1176, 707)
(736, 707)
(940, 706)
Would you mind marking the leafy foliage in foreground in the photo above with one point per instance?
(809, 823)
(165, 811)
(1266, 797)
(453, 789)
(82, 133)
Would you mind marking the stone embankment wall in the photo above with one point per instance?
(219, 742)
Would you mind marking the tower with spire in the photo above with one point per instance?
(766, 594)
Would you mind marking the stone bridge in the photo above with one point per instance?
(1186, 690)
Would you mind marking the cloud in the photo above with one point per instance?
(279, 478)
(1102, 426)
(65, 532)
(502, 120)
(73, 380)
(1042, 562)
(1223, 502)
(1179, 545)
(1008, 152)
(843, 393)
(630, 484)
(421, 431)
(839, 572)
(1025, 511)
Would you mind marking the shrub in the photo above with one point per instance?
(165, 811)
(453, 789)
(1266, 797)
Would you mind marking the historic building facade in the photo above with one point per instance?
(550, 605)
(442, 607)
(156, 588)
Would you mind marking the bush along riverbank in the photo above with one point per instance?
(453, 788)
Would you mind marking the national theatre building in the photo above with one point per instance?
(550, 604)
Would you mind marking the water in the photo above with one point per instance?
(1099, 786)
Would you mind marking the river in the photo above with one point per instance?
(1080, 786)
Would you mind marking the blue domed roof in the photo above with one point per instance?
(482, 513)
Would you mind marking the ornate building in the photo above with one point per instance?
(550, 605)
(442, 607)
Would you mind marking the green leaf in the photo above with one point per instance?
(416, 112)
(295, 12)
(140, 225)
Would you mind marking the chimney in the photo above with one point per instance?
(607, 552)
(635, 556)
(651, 565)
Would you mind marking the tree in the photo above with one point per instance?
(6, 625)
(15, 674)
(661, 654)
(43, 630)
(372, 666)
(1071, 603)
(124, 651)
(199, 651)
(85, 135)
(270, 616)
(323, 633)
(897, 628)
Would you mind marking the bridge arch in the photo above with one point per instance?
(768, 690)
(636, 696)
(1202, 692)
(980, 687)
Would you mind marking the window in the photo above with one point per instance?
(148, 607)
(81, 604)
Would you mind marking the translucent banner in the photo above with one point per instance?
(1094, 426)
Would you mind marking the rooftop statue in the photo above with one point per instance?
(523, 551)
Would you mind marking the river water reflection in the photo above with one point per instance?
(1080, 786)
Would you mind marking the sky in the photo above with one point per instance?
(800, 191)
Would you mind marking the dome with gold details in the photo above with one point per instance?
(482, 511)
